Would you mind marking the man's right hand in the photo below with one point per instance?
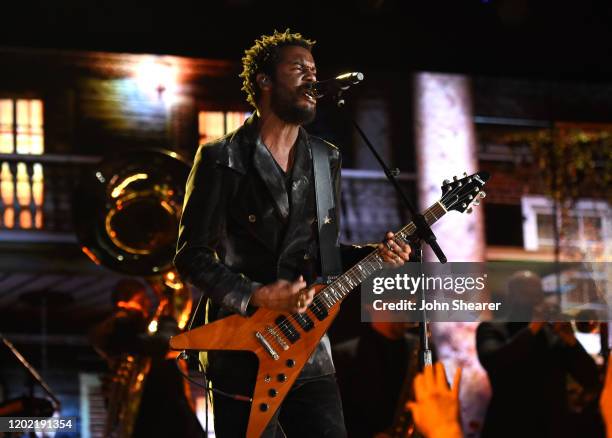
(436, 407)
(284, 296)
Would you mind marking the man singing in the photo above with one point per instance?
(249, 238)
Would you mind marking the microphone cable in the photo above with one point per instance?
(208, 390)
(238, 397)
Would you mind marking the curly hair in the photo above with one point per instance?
(263, 57)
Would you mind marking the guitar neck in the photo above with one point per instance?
(336, 291)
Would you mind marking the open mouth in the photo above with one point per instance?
(309, 93)
(309, 96)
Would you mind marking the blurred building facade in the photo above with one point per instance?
(62, 112)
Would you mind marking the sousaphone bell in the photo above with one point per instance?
(127, 211)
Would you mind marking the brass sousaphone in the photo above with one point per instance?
(127, 212)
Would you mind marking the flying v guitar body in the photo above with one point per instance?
(280, 361)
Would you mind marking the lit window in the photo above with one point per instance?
(21, 183)
(586, 228)
(215, 124)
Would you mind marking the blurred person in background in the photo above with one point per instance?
(145, 394)
(528, 364)
(374, 370)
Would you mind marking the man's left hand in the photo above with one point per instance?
(393, 253)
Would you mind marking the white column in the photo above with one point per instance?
(445, 145)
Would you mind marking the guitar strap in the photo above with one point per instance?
(327, 222)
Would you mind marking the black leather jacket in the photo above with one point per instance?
(242, 228)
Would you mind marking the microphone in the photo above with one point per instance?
(339, 83)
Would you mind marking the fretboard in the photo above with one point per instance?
(336, 291)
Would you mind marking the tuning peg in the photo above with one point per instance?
(476, 189)
(464, 174)
(454, 178)
(463, 205)
(446, 181)
(483, 194)
(469, 210)
(476, 203)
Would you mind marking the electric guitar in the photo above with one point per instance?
(282, 342)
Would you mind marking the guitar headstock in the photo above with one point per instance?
(462, 194)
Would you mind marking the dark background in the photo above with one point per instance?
(542, 38)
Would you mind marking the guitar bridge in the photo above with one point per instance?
(263, 341)
(278, 338)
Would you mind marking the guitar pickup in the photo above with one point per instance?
(263, 341)
(319, 309)
(287, 329)
(304, 321)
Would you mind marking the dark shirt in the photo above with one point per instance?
(371, 373)
(528, 377)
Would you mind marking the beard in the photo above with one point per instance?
(288, 110)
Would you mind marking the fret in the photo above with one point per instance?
(335, 295)
(348, 286)
(339, 289)
(325, 298)
(431, 211)
(362, 271)
(348, 281)
(333, 298)
(361, 267)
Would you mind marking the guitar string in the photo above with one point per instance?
(287, 328)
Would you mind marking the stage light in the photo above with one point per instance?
(157, 77)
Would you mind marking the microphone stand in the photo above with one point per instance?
(55, 403)
(423, 230)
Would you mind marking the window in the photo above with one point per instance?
(587, 229)
(21, 183)
(215, 124)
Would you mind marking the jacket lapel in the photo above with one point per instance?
(272, 177)
(301, 182)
